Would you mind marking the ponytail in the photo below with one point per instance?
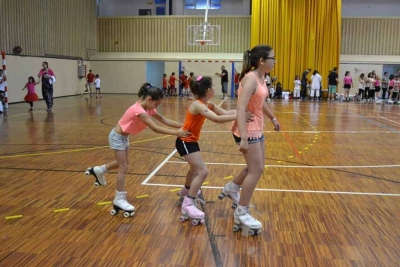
(246, 64)
(148, 89)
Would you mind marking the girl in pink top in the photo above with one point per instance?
(347, 85)
(31, 96)
(378, 89)
(249, 136)
(135, 120)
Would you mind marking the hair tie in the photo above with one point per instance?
(199, 78)
(249, 52)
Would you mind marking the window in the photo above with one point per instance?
(202, 4)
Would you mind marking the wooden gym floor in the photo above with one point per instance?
(330, 194)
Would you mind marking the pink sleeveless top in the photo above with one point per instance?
(255, 105)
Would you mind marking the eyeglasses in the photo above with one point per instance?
(272, 58)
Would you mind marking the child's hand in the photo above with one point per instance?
(183, 133)
(276, 124)
(243, 146)
(249, 116)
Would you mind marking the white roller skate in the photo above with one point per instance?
(98, 174)
(191, 212)
(245, 222)
(231, 190)
(120, 203)
(184, 192)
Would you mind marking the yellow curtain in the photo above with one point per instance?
(303, 33)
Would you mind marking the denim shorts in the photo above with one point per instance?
(249, 141)
(117, 141)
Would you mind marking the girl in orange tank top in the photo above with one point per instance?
(250, 137)
(200, 110)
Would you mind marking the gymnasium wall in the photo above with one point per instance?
(169, 34)
(55, 27)
(20, 68)
(371, 36)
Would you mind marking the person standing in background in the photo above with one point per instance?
(333, 80)
(303, 92)
(89, 82)
(47, 77)
(224, 81)
(236, 81)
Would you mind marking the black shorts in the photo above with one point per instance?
(377, 89)
(249, 141)
(390, 87)
(347, 86)
(186, 148)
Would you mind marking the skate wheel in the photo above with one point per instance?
(182, 219)
(87, 173)
(221, 196)
(252, 232)
(181, 200)
(234, 206)
(96, 184)
(236, 228)
(195, 222)
(127, 214)
(113, 212)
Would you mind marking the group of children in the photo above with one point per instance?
(369, 89)
(247, 129)
(169, 88)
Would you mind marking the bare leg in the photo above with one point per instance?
(198, 168)
(255, 164)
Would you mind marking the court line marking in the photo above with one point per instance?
(295, 190)
(311, 132)
(390, 120)
(165, 161)
(78, 150)
(41, 111)
(294, 166)
(159, 167)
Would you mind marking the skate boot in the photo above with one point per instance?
(184, 192)
(245, 222)
(231, 190)
(120, 203)
(191, 212)
(98, 173)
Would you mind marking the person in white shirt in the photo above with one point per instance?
(316, 79)
(97, 83)
(297, 85)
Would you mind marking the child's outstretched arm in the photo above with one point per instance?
(148, 121)
(166, 121)
(24, 87)
(220, 111)
(209, 114)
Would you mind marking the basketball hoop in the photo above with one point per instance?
(205, 33)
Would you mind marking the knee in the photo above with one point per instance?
(203, 172)
(123, 167)
(257, 170)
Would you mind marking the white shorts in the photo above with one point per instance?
(117, 141)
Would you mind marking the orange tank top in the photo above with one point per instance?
(193, 124)
(255, 105)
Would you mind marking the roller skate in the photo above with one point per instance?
(191, 212)
(245, 222)
(231, 190)
(98, 174)
(120, 203)
(184, 192)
